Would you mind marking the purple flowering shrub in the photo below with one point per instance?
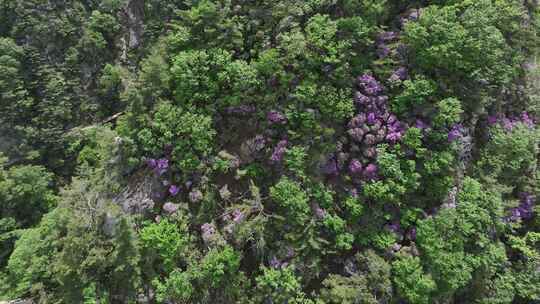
(510, 122)
(159, 166)
(372, 125)
(279, 151)
(275, 117)
(525, 209)
(271, 173)
(183, 141)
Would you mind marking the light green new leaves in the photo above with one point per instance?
(280, 285)
(411, 281)
(190, 135)
(289, 195)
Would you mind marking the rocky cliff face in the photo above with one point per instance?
(132, 19)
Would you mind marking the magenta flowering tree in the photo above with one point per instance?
(455, 132)
(279, 151)
(270, 151)
(524, 211)
(275, 117)
(372, 125)
(174, 190)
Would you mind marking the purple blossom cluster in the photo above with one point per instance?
(524, 210)
(283, 263)
(275, 117)
(195, 196)
(232, 219)
(160, 166)
(411, 15)
(383, 39)
(238, 216)
(372, 125)
(330, 167)
(173, 190)
(279, 151)
(455, 132)
(208, 232)
(394, 227)
(509, 122)
(420, 124)
(170, 207)
(277, 264)
(411, 234)
(402, 233)
(399, 74)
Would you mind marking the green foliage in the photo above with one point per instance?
(104, 23)
(333, 103)
(383, 240)
(218, 266)
(457, 240)
(190, 135)
(109, 260)
(15, 100)
(25, 195)
(156, 77)
(370, 285)
(509, 157)
(435, 167)
(347, 290)
(95, 146)
(177, 287)
(413, 140)
(416, 94)
(195, 74)
(437, 173)
(289, 195)
(323, 194)
(239, 82)
(84, 243)
(110, 88)
(527, 279)
(400, 176)
(29, 268)
(295, 160)
(215, 276)
(211, 24)
(411, 281)
(449, 112)
(354, 206)
(337, 226)
(212, 80)
(169, 241)
(279, 285)
(92, 92)
(375, 12)
(499, 290)
(466, 42)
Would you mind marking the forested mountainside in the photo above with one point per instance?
(270, 151)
